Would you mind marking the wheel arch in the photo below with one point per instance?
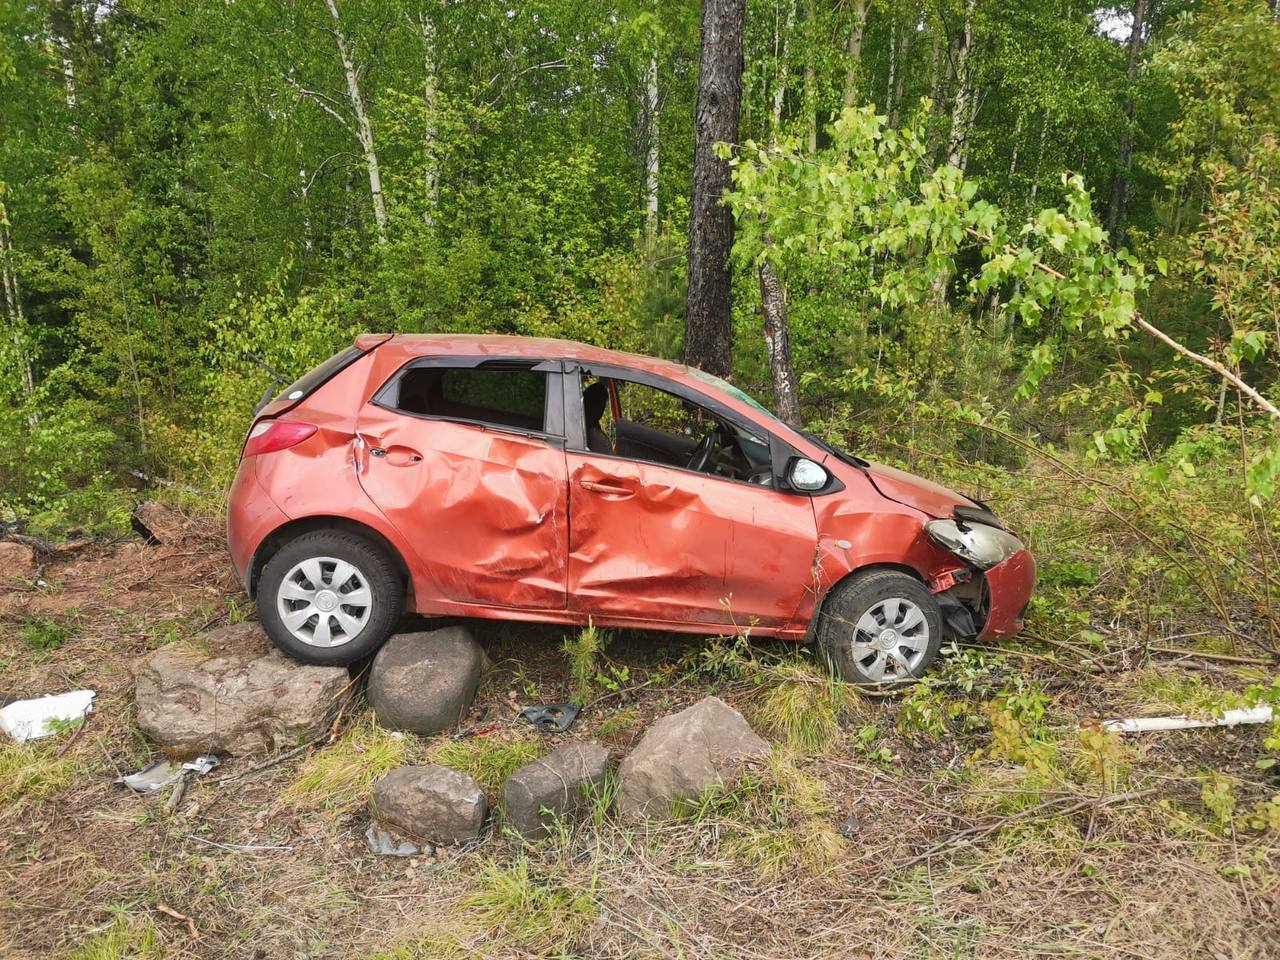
(273, 542)
(811, 633)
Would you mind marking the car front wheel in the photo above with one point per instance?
(880, 627)
(330, 597)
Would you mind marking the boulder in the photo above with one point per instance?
(682, 755)
(17, 561)
(160, 524)
(431, 804)
(555, 787)
(424, 682)
(228, 691)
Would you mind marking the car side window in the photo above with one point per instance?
(505, 394)
(655, 426)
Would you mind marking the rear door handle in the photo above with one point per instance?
(396, 455)
(612, 490)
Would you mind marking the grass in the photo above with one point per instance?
(30, 772)
(125, 939)
(1171, 691)
(44, 635)
(618, 723)
(491, 759)
(530, 912)
(803, 706)
(339, 778)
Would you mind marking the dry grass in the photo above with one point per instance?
(820, 852)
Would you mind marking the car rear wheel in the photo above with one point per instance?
(330, 597)
(880, 627)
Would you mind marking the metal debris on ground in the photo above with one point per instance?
(1229, 718)
(384, 844)
(551, 717)
(43, 717)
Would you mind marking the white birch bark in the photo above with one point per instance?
(651, 147)
(14, 313)
(431, 130)
(962, 106)
(854, 51)
(364, 131)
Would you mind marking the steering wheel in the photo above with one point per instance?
(705, 450)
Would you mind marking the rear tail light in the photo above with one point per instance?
(268, 436)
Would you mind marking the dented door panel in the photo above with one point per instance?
(485, 511)
(663, 544)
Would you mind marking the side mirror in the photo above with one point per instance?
(806, 476)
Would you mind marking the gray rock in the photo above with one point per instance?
(432, 804)
(229, 692)
(425, 682)
(682, 755)
(559, 783)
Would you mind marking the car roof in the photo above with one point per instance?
(499, 345)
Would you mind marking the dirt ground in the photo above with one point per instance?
(920, 855)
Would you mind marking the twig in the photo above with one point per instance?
(191, 924)
(1205, 655)
(979, 833)
(241, 847)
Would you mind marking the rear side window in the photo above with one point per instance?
(317, 376)
(505, 394)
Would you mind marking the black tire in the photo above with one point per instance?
(846, 647)
(374, 569)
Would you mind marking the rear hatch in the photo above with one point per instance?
(318, 376)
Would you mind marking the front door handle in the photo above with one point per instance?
(606, 488)
(397, 456)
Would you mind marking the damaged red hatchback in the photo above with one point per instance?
(523, 479)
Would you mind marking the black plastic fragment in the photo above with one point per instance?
(551, 717)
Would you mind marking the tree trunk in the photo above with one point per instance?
(780, 45)
(777, 343)
(431, 131)
(364, 132)
(854, 51)
(904, 65)
(651, 148)
(17, 321)
(962, 103)
(810, 79)
(708, 333)
(1124, 157)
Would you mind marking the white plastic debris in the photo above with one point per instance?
(1229, 718)
(32, 719)
(386, 845)
(162, 773)
(152, 777)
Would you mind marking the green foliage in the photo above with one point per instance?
(30, 772)
(584, 651)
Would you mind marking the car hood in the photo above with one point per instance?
(906, 488)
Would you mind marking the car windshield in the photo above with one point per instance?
(737, 394)
(732, 391)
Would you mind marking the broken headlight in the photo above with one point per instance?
(977, 543)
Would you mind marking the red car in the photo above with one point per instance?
(525, 479)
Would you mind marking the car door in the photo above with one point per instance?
(465, 457)
(659, 543)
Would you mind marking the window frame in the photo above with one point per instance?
(780, 452)
(553, 411)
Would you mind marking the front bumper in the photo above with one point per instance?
(1009, 587)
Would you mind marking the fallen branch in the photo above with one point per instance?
(1229, 718)
(1205, 655)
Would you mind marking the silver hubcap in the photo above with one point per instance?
(890, 639)
(324, 601)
